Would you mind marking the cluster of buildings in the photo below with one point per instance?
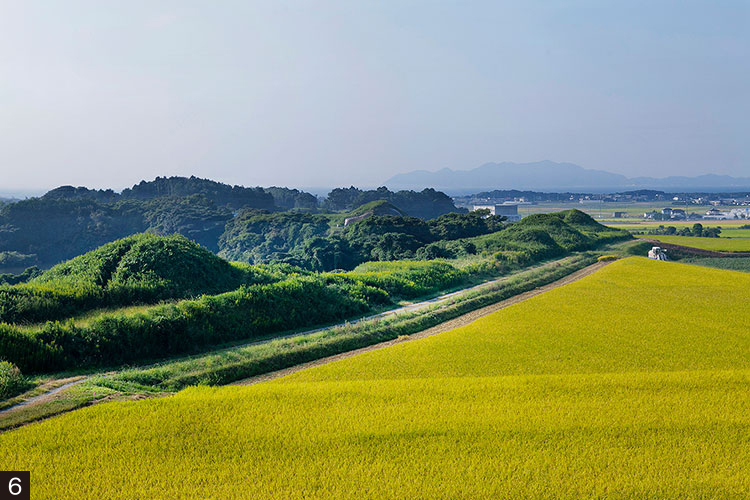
(713, 213)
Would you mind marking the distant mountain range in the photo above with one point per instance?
(556, 177)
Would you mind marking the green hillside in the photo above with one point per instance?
(541, 236)
(144, 268)
(173, 264)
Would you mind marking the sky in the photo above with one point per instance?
(328, 93)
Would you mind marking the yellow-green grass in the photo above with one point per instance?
(630, 383)
(715, 244)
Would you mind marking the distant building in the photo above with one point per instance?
(666, 211)
(508, 210)
(678, 213)
(618, 215)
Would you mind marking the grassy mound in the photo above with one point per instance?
(144, 268)
(378, 207)
(563, 234)
(542, 236)
(172, 264)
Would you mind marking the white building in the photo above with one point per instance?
(509, 210)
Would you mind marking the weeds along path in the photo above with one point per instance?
(416, 306)
(442, 327)
(50, 390)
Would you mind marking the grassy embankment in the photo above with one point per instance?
(269, 300)
(630, 383)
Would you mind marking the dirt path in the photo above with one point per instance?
(51, 392)
(442, 327)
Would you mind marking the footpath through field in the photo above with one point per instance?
(442, 327)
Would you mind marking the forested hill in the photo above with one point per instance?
(69, 221)
(425, 204)
(221, 194)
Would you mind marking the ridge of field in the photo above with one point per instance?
(731, 264)
(630, 383)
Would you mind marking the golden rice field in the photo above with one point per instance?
(717, 244)
(631, 383)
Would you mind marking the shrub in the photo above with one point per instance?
(11, 380)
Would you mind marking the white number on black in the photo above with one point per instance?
(14, 486)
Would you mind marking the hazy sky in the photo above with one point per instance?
(105, 93)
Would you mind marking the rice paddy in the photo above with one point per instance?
(716, 244)
(630, 383)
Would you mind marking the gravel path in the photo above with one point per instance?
(45, 396)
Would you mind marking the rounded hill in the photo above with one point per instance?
(169, 266)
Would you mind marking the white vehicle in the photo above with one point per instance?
(657, 253)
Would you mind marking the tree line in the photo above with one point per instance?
(70, 221)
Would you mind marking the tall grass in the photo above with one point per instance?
(243, 362)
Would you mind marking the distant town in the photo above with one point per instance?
(655, 205)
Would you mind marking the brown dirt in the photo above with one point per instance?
(452, 324)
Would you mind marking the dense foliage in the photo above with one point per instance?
(23, 277)
(220, 194)
(250, 312)
(425, 204)
(69, 221)
(11, 380)
(138, 269)
(697, 230)
(292, 199)
(260, 236)
(543, 236)
(306, 241)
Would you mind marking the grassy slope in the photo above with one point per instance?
(717, 244)
(732, 264)
(631, 383)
